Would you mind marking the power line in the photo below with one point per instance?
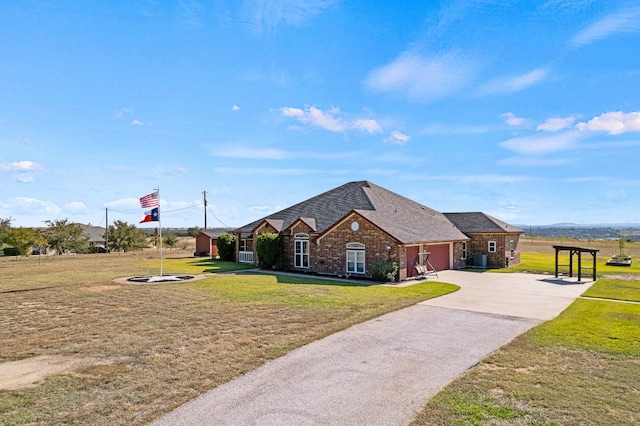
(214, 215)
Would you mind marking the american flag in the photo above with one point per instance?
(150, 200)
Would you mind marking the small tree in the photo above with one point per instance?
(5, 225)
(66, 237)
(193, 231)
(24, 239)
(170, 240)
(269, 250)
(125, 237)
(226, 244)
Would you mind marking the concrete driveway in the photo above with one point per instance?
(383, 371)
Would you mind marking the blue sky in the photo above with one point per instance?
(528, 111)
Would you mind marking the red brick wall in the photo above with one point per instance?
(332, 249)
(498, 259)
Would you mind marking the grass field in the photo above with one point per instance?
(582, 368)
(148, 348)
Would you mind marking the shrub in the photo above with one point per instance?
(385, 270)
(226, 244)
(269, 249)
(10, 251)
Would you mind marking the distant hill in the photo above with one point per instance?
(585, 232)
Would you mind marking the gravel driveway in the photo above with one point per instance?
(383, 371)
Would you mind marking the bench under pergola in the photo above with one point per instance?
(576, 251)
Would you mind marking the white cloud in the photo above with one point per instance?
(623, 21)
(615, 123)
(235, 108)
(442, 129)
(123, 203)
(556, 123)
(269, 171)
(485, 179)
(118, 114)
(514, 121)
(22, 171)
(254, 153)
(191, 13)
(76, 206)
(31, 206)
(535, 161)
(515, 83)
(137, 122)
(21, 166)
(332, 120)
(398, 138)
(536, 144)
(424, 78)
(267, 15)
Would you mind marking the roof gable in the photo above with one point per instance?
(406, 220)
(325, 209)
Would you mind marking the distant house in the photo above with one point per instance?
(207, 242)
(347, 230)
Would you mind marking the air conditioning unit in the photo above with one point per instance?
(480, 260)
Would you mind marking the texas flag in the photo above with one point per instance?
(151, 216)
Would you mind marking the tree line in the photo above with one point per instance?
(62, 236)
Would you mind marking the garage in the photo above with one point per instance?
(439, 256)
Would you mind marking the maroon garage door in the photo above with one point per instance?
(439, 256)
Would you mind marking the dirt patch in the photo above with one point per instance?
(32, 371)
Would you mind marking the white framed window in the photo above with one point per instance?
(492, 246)
(301, 251)
(243, 245)
(355, 258)
(464, 250)
(512, 248)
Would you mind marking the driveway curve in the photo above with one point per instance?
(383, 371)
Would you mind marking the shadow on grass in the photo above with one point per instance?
(304, 279)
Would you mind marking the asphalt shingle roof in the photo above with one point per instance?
(402, 218)
(480, 222)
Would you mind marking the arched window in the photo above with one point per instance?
(301, 250)
(355, 258)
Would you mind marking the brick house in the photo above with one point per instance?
(346, 230)
(492, 242)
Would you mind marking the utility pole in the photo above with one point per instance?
(205, 210)
(106, 228)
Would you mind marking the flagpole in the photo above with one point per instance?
(159, 229)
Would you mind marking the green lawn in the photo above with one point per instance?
(582, 368)
(545, 262)
(157, 346)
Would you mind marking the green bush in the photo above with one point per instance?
(10, 251)
(269, 250)
(385, 271)
(226, 244)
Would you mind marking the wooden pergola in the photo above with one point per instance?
(573, 251)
